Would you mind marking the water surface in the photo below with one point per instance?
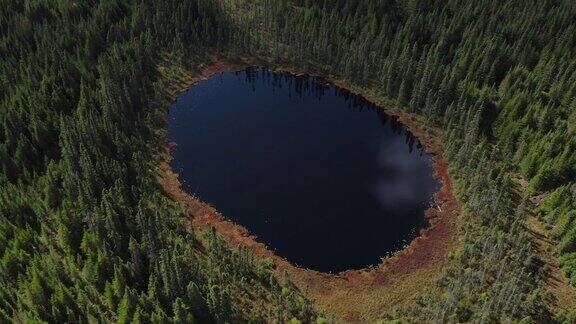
(315, 172)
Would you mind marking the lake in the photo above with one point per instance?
(321, 176)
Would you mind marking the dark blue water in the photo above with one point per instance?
(316, 173)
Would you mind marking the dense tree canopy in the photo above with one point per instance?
(86, 232)
(499, 78)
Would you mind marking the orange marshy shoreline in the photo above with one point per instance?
(354, 295)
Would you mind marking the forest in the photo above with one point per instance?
(87, 233)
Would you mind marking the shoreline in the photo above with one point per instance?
(396, 279)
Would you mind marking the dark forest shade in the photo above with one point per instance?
(318, 174)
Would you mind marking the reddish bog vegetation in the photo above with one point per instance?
(350, 296)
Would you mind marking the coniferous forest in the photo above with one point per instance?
(87, 233)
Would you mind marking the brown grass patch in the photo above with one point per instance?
(355, 295)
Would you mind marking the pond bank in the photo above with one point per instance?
(374, 290)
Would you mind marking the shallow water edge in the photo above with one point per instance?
(396, 279)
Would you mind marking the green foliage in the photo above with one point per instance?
(559, 208)
(86, 234)
(500, 83)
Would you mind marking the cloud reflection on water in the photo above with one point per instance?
(402, 180)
